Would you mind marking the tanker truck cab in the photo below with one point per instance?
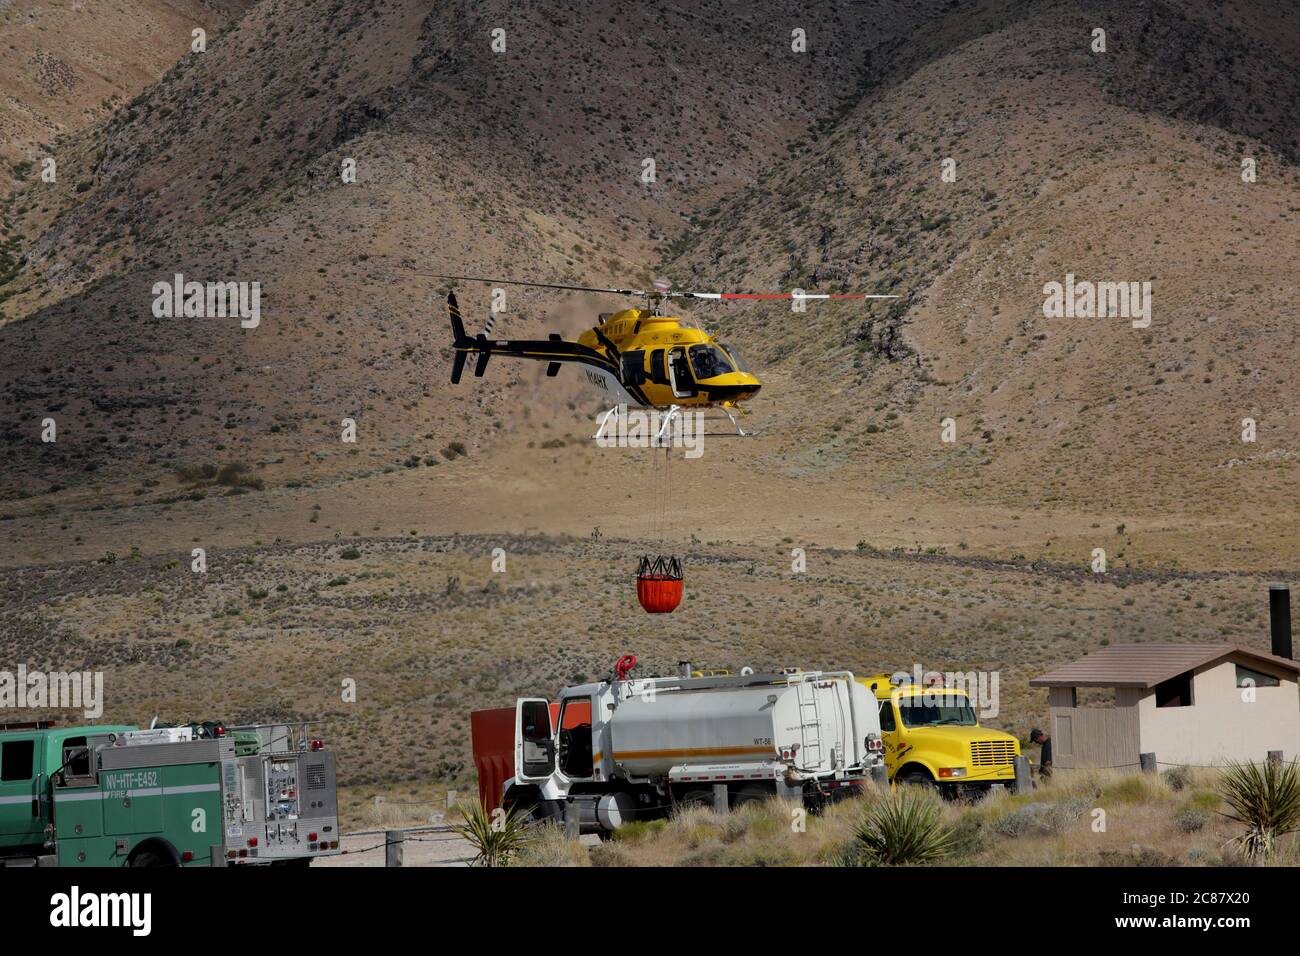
(933, 738)
(630, 749)
(553, 751)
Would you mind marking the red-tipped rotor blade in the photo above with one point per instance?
(780, 295)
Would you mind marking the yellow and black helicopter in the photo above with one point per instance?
(638, 356)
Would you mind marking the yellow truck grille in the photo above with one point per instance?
(992, 753)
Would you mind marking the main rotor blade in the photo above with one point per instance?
(774, 295)
(535, 285)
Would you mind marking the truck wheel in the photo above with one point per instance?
(917, 778)
(147, 858)
(750, 795)
(527, 801)
(696, 798)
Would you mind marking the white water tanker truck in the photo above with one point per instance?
(628, 749)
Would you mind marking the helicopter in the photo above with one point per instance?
(637, 356)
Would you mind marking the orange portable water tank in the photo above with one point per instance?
(659, 584)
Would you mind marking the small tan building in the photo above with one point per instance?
(1195, 704)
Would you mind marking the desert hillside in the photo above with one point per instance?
(819, 171)
(1063, 166)
(528, 161)
(70, 64)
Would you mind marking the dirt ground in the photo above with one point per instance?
(419, 848)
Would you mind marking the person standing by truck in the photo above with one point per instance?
(1036, 736)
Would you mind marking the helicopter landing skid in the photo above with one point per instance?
(732, 415)
(609, 422)
(604, 422)
(673, 412)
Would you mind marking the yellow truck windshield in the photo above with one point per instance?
(926, 711)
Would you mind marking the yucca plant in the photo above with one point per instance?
(905, 827)
(1265, 800)
(495, 835)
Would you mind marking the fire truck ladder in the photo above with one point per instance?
(810, 725)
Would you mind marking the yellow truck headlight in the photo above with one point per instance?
(950, 772)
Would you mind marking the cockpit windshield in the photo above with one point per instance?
(709, 361)
(736, 360)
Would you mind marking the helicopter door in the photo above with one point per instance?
(679, 373)
(534, 740)
(574, 751)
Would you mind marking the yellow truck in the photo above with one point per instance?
(933, 738)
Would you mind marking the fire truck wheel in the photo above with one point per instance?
(154, 852)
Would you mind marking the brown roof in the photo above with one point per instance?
(1145, 665)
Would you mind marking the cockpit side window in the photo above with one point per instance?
(633, 368)
(736, 360)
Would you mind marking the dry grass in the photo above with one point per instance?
(1091, 819)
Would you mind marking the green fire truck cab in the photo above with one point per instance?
(201, 795)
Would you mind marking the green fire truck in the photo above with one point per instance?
(197, 795)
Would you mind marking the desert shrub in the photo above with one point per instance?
(349, 554)
(970, 836)
(1134, 788)
(1041, 818)
(1265, 800)
(711, 854)
(1136, 855)
(904, 828)
(235, 475)
(494, 841)
(611, 854)
(638, 831)
(762, 821)
(761, 854)
(1203, 856)
(695, 825)
(547, 846)
(1177, 778)
(231, 475)
(1191, 820)
(195, 473)
(700, 834)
